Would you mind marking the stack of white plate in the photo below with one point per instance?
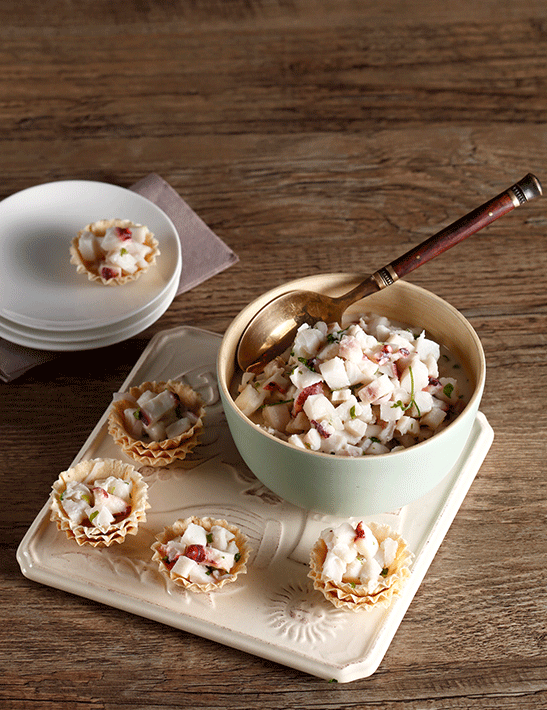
(44, 302)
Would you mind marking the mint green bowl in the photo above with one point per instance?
(347, 486)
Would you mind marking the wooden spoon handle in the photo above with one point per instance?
(523, 191)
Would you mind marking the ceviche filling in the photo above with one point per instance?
(368, 388)
(99, 504)
(354, 556)
(201, 555)
(156, 417)
(121, 250)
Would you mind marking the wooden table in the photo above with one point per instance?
(311, 136)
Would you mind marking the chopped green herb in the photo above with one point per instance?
(209, 538)
(307, 363)
(375, 440)
(384, 572)
(412, 400)
(137, 414)
(448, 389)
(237, 556)
(352, 412)
(123, 251)
(86, 498)
(93, 516)
(281, 401)
(336, 337)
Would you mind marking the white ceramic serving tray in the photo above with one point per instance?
(272, 611)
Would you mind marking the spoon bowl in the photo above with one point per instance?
(273, 329)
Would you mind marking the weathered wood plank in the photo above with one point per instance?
(312, 137)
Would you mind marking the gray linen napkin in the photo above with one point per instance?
(203, 255)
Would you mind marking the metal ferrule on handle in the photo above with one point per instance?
(525, 190)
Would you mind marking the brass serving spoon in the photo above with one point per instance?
(273, 328)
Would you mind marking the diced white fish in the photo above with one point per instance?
(156, 407)
(133, 423)
(222, 537)
(138, 233)
(303, 377)
(178, 427)
(250, 399)
(377, 389)
(123, 260)
(116, 486)
(333, 568)
(76, 509)
(194, 535)
(370, 573)
(389, 548)
(101, 517)
(89, 247)
(334, 373)
(155, 432)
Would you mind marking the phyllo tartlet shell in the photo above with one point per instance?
(178, 528)
(355, 597)
(157, 453)
(99, 228)
(86, 472)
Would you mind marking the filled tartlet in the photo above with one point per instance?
(157, 423)
(201, 554)
(99, 502)
(113, 251)
(360, 567)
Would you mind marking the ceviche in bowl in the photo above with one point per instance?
(358, 417)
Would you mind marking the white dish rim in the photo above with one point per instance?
(62, 195)
(120, 332)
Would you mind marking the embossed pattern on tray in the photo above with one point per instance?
(272, 611)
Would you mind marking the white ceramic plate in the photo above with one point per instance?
(272, 611)
(88, 339)
(40, 288)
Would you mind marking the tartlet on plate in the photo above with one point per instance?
(134, 425)
(99, 502)
(113, 251)
(360, 567)
(201, 554)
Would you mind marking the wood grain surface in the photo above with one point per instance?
(311, 136)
